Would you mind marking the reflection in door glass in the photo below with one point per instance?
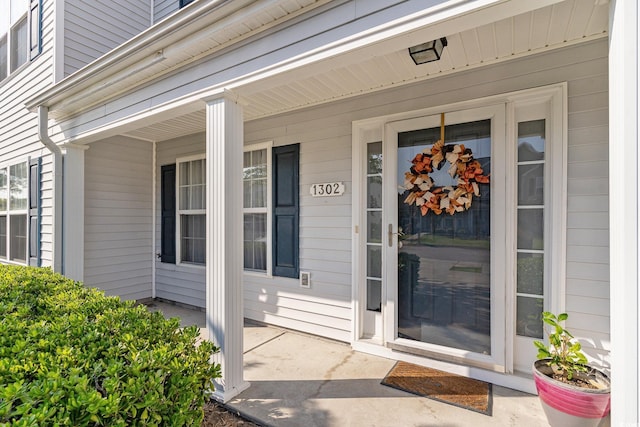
(444, 260)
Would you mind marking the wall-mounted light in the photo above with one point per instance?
(428, 52)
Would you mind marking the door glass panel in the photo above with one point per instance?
(531, 184)
(530, 229)
(374, 294)
(529, 322)
(374, 226)
(444, 260)
(530, 249)
(530, 277)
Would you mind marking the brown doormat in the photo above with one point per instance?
(441, 386)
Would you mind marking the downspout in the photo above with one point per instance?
(56, 200)
(153, 220)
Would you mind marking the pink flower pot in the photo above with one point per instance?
(567, 405)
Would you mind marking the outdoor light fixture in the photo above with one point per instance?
(428, 52)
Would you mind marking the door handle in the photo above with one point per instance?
(391, 234)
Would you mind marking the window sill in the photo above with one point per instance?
(251, 273)
(9, 262)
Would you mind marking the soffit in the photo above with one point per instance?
(555, 26)
(197, 31)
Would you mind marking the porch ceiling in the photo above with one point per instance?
(551, 27)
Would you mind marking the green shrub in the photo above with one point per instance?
(71, 356)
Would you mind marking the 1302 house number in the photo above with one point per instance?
(327, 189)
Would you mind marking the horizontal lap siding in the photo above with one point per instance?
(325, 231)
(325, 235)
(587, 299)
(92, 29)
(118, 217)
(19, 127)
(164, 8)
(181, 283)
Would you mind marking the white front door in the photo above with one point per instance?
(445, 294)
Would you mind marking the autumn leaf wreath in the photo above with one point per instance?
(427, 196)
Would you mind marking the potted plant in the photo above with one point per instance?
(571, 392)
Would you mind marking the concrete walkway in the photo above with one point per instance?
(302, 380)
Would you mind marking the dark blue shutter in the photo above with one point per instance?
(286, 210)
(35, 28)
(168, 214)
(34, 212)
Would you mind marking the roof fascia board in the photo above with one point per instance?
(196, 16)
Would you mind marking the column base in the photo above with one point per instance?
(223, 396)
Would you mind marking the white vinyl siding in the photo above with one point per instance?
(92, 29)
(325, 223)
(18, 126)
(118, 217)
(164, 8)
(180, 283)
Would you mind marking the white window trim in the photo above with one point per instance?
(9, 42)
(8, 213)
(180, 212)
(267, 145)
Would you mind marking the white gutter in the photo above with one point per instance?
(56, 199)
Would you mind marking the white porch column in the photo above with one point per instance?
(224, 141)
(73, 211)
(623, 211)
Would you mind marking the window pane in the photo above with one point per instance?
(255, 241)
(185, 193)
(197, 197)
(530, 273)
(531, 184)
(192, 242)
(531, 140)
(255, 179)
(374, 295)
(259, 191)
(184, 173)
(3, 237)
(18, 186)
(374, 158)
(374, 227)
(374, 192)
(246, 194)
(18, 237)
(529, 320)
(3, 58)
(19, 44)
(3, 189)
(531, 229)
(193, 190)
(259, 162)
(374, 261)
(198, 172)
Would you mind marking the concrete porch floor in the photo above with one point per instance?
(303, 380)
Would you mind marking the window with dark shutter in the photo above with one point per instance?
(35, 28)
(286, 210)
(168, 214)
(34, 212)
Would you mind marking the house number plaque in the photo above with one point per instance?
(327, 189)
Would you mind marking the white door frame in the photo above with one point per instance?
(377, 129)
